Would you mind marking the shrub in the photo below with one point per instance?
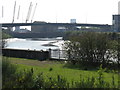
(24, 79)
(91, 49)
(8, 73)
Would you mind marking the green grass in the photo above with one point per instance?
(58, 68)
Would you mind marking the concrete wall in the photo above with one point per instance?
(29, 54)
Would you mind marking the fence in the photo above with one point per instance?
(57, 54)
(30, 54)
(54, 54)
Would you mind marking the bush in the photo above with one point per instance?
(24, 79)
(11, 79)
(8, 73)
(91, 49)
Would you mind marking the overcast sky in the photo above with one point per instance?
(84, 11)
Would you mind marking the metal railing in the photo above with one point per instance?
(57, 54)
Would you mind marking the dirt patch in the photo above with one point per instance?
(32, 62)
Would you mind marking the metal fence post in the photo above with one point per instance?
(59, 53)
(49, 53)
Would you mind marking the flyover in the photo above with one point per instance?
(54, 24)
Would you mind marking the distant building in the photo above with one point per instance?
(72, 20)
(116, 23)
(43, 28)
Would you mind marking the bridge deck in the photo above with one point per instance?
(58, 24)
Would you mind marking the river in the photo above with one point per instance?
(37, 44)
(55, 44)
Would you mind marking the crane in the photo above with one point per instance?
(33, 13)
(14, 11)
(18, 12)
(29, 12)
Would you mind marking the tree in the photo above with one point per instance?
(90, 49)
(4, 36)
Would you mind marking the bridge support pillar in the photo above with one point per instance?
(10, 28)
(17, 28)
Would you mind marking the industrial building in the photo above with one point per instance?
(43, 28)
(116, 23)
(116, 20)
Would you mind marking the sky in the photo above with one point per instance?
(60, 11)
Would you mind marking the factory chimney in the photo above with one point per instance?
(119, 8)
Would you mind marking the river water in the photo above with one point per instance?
(37, 44)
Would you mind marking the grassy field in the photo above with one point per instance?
(54, 68)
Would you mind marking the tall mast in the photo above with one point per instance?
(14, 12)
(33, 13)
(29, 12)
(2, 12)
(18, 12)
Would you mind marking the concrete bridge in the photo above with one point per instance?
(54, 24)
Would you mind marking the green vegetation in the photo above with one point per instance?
(53, 74)
(4, 36)
(89, 65)
(93, 49)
